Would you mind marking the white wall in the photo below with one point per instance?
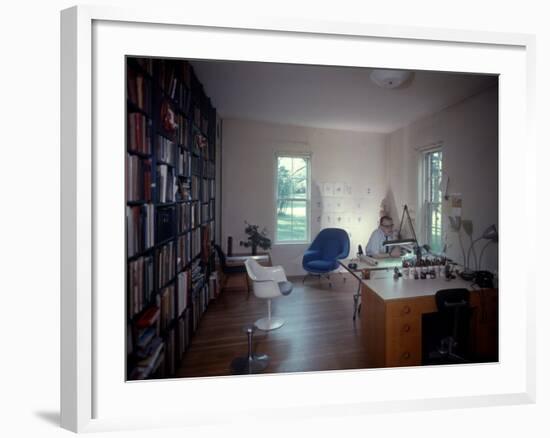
(248, 167)
(469, 132)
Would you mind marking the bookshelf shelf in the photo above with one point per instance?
(141, 254)
(168, 231)
(171, 166)
(139, 154)
(134, 108)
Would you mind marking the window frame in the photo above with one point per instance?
(424, 200)
(307, 157)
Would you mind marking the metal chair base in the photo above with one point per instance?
(253, 363)
(318, 276)
(250, 365)
(267, 324)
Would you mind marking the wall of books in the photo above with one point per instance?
(170, 212)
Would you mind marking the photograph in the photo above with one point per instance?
(297, 218)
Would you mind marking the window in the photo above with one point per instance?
(293, 192)
(433, 160)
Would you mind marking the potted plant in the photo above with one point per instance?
(255, 238)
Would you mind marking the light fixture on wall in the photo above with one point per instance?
(491, 235)
(390, 78)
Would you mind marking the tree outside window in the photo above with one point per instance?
(292, 209)
(433, 163)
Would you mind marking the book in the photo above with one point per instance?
(139, 228)
(170, 353)
(138, 178)
(184, 251)
(149, 317)
(166, 183)
(137, 89)
(145, 337)
(165, 263)
(182, 291)
(156, 348)
(167, 306)
(165, 223)
(165, 150)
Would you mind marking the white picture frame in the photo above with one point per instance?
(90, 401)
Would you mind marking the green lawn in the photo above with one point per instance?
(289, 228)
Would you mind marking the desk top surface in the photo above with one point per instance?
(386, 263)
(390, 289)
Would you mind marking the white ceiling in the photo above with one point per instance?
(329, 97)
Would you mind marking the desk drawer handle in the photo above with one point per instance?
(406, 355)
(406, 328)
(406, 310)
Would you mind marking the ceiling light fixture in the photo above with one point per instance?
(390, 78)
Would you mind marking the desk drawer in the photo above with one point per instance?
(410, 307)
(404, 351)
(404, 327)
(404, 340)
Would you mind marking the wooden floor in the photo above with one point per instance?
(319, 333)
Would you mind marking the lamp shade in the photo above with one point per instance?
(468, 227)
(455, 222)
(491, 233)
(389, 78)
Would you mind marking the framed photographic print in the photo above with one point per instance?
(170, 125)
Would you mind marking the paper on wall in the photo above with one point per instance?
(328, 189)
(456, 204)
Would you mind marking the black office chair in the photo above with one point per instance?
(452, 326)
(228, 270)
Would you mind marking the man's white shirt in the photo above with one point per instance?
(376, 243)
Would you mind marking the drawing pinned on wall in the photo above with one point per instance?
(456, 204)
(328, 189)
(339, 220)
(328, 205)
(318, 218)
(368, 191)
(338, 189)
(357, 204)
(346, 205)
(348, 190)
(338, 206)
(319, 204)
(359, 219)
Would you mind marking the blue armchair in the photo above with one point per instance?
(322, 256)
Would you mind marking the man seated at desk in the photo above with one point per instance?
(375, 247)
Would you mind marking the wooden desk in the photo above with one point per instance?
(392, 319)
(358, 272)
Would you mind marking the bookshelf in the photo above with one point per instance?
(170, 212)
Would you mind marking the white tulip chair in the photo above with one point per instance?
(268, 282)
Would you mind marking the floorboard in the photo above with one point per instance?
(319, 333)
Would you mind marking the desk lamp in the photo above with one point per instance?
(403, 242)
(491, 235)
(468, 227)
(456, 223)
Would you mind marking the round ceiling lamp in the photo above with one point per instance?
(390, 78)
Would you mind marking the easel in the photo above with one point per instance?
(417, 249)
